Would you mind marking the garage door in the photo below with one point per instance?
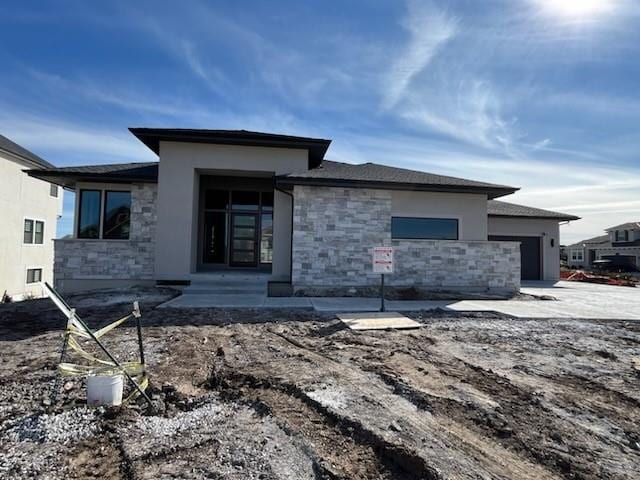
(529, 255)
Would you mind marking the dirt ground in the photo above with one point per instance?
(294, 395)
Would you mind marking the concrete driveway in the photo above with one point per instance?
(575, 300)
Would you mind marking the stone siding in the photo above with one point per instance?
(335, 230)
(133, 259)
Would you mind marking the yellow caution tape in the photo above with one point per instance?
(101, 367)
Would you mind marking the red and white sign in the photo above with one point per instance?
(383, 260)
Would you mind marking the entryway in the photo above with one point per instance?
(236, 229)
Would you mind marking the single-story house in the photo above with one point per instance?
(220, 200)
(621, 243)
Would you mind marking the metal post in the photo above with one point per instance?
(136, 313)
(382, 293)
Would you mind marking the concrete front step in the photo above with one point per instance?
(226, 290)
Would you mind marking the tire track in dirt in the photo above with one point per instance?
(359, 398)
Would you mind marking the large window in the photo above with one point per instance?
(424, 228)
(115, 221)
(117, 212)
(89, 214)
(577, 255)
(33, 232)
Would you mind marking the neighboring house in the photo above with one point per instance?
(30, 209)
(223, 200)
(621, 243)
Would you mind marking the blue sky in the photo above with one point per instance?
(527, 93)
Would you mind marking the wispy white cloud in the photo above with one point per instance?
(429, 30)
(67, 139)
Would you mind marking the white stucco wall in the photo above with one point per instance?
(532, 227)
(469, 209)
(23, 197)
(178, 193)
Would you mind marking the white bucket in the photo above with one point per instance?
(104, 390)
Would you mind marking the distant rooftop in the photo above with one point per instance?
(599, 240)
(19, 151)
(625, 226)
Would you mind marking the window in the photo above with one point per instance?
(34, 275)
(216, 199)
(577, 255)
(39, 233)
(267, 201)
(266, 238)
(622, 235)
(33, 232)
(89, 214)
(117, 213)
(28, 231)
(242, 200)
(53, 190)
(424, 228)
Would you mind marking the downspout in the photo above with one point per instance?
(291, 232)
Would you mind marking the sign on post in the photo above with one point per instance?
(383, 260)
(382, 264)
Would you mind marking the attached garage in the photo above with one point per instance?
(538, 232)
(530, 258)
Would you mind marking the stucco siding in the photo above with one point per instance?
(24, 197)
(178, 194)
(335, 230)
(469, 209)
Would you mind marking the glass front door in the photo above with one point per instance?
(244, 240)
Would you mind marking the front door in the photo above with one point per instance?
(244, 240)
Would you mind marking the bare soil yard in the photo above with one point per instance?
(294, 395)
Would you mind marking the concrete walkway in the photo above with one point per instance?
(574, 300)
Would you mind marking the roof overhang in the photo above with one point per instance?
(152, 137)
(68, 179)
(559, 218)
(491, 192)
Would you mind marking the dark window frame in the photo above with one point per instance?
(53, 190)
(79, 222)
(457, 220)
(33, 279)
(103, 214)
(229, 210)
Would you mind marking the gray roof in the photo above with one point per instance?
(118, 173)
(151, 137)
(381, 176)
(625, 226)
(12, 147)
(602, 239)
(497, 208)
